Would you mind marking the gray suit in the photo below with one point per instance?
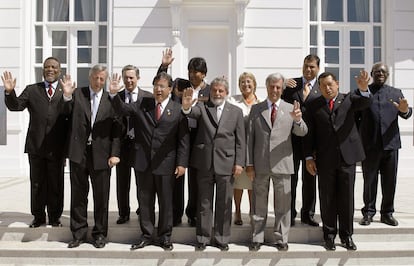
(270, 153)
(219, 145)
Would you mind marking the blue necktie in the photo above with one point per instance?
(94, 107)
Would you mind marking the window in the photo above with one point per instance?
(351, 36)
(74, 31)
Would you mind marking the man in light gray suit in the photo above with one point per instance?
(270, 157)
(218, 154)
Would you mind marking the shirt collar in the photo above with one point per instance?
(269, 103)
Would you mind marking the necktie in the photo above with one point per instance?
(219, 111)
(306, 90)
(331, 104)
(50, 90)
(158, 112)
(127, 97)
(273, 114)
(94, 107)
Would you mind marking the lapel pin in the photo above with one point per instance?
(168, 112)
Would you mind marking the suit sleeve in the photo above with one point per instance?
(15, 103)
(309, 139)
(123, 109)
(240, 140)
(183, 149)
(250, 136)
(116, 132)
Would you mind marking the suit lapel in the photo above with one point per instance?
(212, 113)
(338, 102)
(102, 106)
(266, 114)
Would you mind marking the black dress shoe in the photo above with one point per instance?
(309, 221)
(56, 223)
(75, 243)
(122, 219)
(167, 245)
(389, 219)
(238, 222)
(292, 222)
(177, 222)
(366, 220)
(222, 247)
(255, 246)
(329, 244)
(36, 223)
(200, 246)
(99, 241)
(282, 246)
(137, 211)
(192, 222)
(348, 243)
(141, 243)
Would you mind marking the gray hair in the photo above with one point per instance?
(221, 81)
(275, 77)
(98, 68)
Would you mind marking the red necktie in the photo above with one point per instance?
(273, 114)
(158, 112)
(331, 104)
(50, 90)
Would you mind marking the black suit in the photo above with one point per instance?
(160, 146)
(45, 145)
(334, 140)
(123, 169)
(91, 159)
(308, 181)
(381, 139)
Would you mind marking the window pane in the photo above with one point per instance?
(357, 56)
(39, 35)
(358, 10)
(335, 71)
(82, 79)
(313, 10)
(377, 36)
(38, 55)
(39, 10)
(58, 10)
(59, 38)
(377, 55)
(332, 55)
(313, 51)
(60, 54)
(102, 55)
(332, 10)
(377, 11)
(85, 10)
(103, 7)
(85, 37)
(331, 38)
(353, 72)
(84, 55)
(357, 38)
(313, 35)
(38, 73)
(102, 35)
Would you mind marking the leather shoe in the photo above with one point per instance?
(366, 220)
(141, 243)
(167, 245)
(99, 241)
(56, 223)
(389, 219)
(348, 243)
(176, 222)
(192, 222)
(309, 221)
(255, 246)
(222, 247)
(329, 244)
(238, 222)
(200, 246)
(36, 223)
(122, 219)
(292, 222)
(282, 246)
(75, 243)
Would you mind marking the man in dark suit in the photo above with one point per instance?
(45, 140)
(380, 135)
(218, 154)
(197, 71)
(161, 151)
(130, 77)
(94, 148)
(303, 90)
(332, 147)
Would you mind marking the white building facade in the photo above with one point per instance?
(258, 36)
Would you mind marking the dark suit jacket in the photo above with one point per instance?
(296, 93)
(379, 123)
(106, 130)
(334, 136)
(160, 145)
(218, 145)
(48, 126)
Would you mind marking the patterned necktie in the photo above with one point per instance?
(50, 90)
(331, 104)
(158, 112)
(273, 114)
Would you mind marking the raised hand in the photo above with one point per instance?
(291, 83)
(296, 113)
(362, 80)
(187, 99)
(114, 86)
(68, 86)
(8, 82)
(402, 106)
(167, 57)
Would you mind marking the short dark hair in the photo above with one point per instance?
(163, 75)
(130, 67)
(312, 57)
(325, 75)
(197, 64)
(52, 58)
